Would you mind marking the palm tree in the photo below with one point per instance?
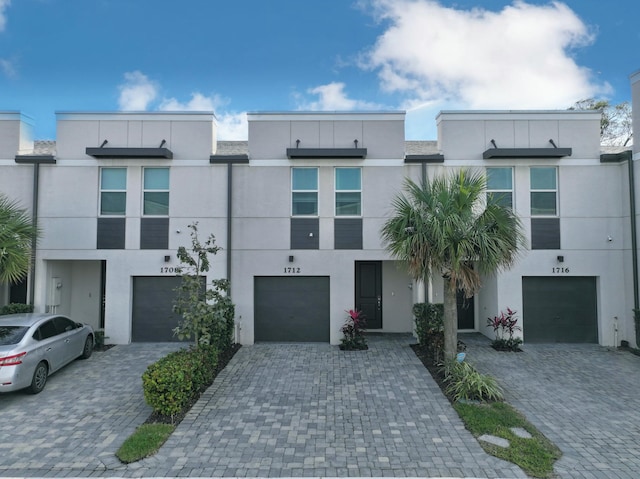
(17, 233)
(443, 227)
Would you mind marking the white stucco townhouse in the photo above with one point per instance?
(297, 209)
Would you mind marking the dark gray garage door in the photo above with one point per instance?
(559, 309)
(153, 319)
(291, 308)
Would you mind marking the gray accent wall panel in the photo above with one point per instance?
(347, 233)
(305, 233)
(545, 233)
(111, 233)
(154, 233)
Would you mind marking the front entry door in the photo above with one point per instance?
(369, 292)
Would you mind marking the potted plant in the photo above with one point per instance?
(505, 325)
(353, 332)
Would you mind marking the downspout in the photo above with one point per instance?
(229, 200)
(634, 244)
(36, 161)
(425, 284)
(34, 237)
(229, 160)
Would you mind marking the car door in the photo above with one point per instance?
(50, 344)
(69, 339)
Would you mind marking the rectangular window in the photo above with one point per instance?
(544, 191)
(500, 186)
(348, 192)
(304, 191)
(113, 191)
(156, 192)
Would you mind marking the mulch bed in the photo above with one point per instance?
(426, 357)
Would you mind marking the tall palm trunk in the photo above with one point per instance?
(450, 320)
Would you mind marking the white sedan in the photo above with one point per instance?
(34, 345)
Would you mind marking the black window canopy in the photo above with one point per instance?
(103, 151)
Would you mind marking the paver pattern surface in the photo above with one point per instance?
(277, 410)
(311, 410)
(584, 397)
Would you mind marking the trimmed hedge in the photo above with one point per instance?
(173, 382)
(14, 308)
(429, 319)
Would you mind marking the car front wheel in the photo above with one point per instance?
(39, 378)
(88, 348)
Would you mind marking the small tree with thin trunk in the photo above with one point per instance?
(207, 312)
(443, 226)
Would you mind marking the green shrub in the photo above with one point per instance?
(99, 335)
(14, 308)
(464, 382)
(429, 321)
(174, 381)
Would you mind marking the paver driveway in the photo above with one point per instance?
(85, 412)
(277, 410)
(584, 397)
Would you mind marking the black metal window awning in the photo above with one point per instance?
(552, 152)
(103, 151)
(326, 153)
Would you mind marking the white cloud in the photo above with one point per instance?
(332, 97)
(232, 126)
(4, 4)
(198, 102)
(7, 68)
(519, 57)
(137, 92)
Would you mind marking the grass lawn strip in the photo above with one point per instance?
(144, 442)
(535, 456)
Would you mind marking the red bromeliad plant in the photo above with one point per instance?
(353, 331)
(505, 324)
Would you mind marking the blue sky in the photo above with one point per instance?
(236, 56)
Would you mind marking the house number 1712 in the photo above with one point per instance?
(291, 270)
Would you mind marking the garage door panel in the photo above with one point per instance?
(291, 308)
(560, 309)
(153, 318)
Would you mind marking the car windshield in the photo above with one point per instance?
(11, 334)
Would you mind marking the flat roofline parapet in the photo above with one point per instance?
(518, 115)
(325, 115)
(137, 115)
(15, 115)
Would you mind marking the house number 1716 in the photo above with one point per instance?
(559, 270)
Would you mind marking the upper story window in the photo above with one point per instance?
(500, 186)
(156, 192)
(304, 191)
(348, 191)
(113, 191)
(544, 191)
